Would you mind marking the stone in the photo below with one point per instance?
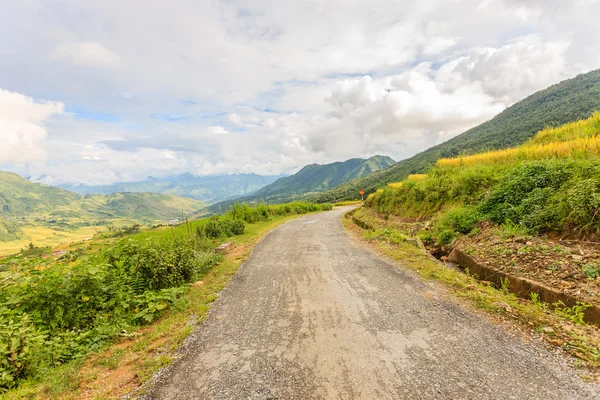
(223, 247)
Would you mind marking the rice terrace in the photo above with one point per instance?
(296, 200)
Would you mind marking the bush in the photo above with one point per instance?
(21, 348)
(217, 228)
(583, 205)
(461, 220)
(62, 312)
(445, 236)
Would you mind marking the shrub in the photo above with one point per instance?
(445, 236)
(460, 220)
(21, 348)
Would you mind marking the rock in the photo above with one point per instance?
(576, 257)
(557, 342)
(444, 258)
(529, 243)
(567, 284)
(548, 329)
(224, 247)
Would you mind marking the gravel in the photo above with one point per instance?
(312, 314)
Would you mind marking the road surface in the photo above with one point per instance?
(314, 315)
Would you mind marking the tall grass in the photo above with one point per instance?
(395, 185)
(574, 140)
(577, 148)
(416, 177)
(586, 128)
(551, 183)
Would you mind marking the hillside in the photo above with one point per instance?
(208, 189)
(530, 211)
(316, 177)
(20, 197)
(564, 102)
(49, 216)
(312, 178)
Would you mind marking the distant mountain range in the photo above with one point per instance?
(567, 101)
(22, 201)
(208, 189)
(312, 178)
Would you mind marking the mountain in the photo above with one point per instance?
(564, 102)
(316, 177)
(21, 199)
(312, 178)
(208, 189)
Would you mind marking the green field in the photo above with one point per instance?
(56, 310)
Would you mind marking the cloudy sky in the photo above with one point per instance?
(98, 91)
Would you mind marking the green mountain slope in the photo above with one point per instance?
(19, 197)
(311, 178)
(208, 189)
(141, 206)
(567, 101)
(316, 178)
(23, 200)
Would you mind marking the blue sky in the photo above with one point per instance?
(96, 92)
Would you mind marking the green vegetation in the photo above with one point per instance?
(20, 197)
(9, 230)
(53, 312)
(559, 193)
(567, 101)
(312, 178)
(316, 178)
(208, 189)
(32, 212)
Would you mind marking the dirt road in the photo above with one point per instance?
(314, 315)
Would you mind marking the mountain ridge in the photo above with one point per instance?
(311, 178)
(21, 198)
(566, 101)
(208, 189)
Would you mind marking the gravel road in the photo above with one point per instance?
(314, 315)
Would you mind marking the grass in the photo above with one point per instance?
(577, 148)
(416, 177)
(567, 330)
(348, 203)
(122, 367)
(579, 139)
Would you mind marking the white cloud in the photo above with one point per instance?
(87, 54)
(270, 86)
(22, 127)
(217, 130)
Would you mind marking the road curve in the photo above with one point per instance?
(313, 315)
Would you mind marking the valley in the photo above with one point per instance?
(383, 199)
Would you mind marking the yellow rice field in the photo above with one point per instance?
(579, 139)
(42, 236)
(585, 128)
(579, 148)
(394, 185)
(416, 177)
